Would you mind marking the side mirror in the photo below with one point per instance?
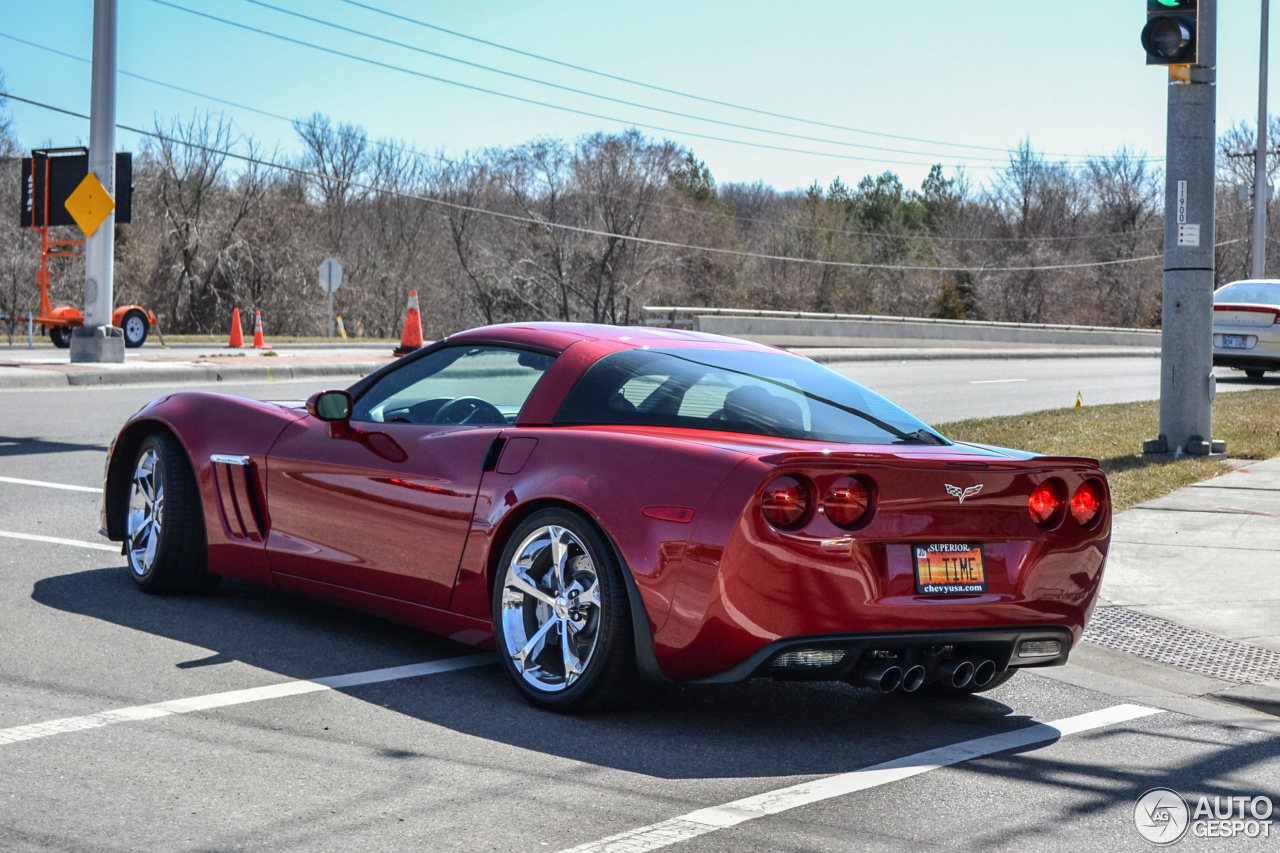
(334, 408)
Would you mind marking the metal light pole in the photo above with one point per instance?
(1187, 386)
(1260, 193)
(98, 340)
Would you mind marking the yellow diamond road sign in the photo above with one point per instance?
(90, 204)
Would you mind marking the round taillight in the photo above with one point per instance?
(785, 502)
(1045, 502)
(1086, 503)
(847, 501)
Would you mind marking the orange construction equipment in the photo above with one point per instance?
(237, 331)
(411, 338)
(58, 322)
(258, 342)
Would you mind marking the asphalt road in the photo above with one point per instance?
(456, 761)
(943, 391)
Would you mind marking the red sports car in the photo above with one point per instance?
(609, 507)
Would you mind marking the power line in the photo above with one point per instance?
(589, 94)
(535, 102)
(676, 92)
(594, 232)
(401, 149)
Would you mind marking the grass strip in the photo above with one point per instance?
(1113, 434)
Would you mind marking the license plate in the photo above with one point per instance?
(1234, 341)
(949, 568)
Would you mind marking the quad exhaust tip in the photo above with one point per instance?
(885, 677)
(983, 672)
(956, 672)
(912, 679)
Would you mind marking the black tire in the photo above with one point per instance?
(136, 326)
(164, 521)
(609, 678)
(61, 336)
(936, 689)
(1255, 374)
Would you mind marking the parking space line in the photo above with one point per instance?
(703, 821)
(69, 488)
(58, 540)
(66, 725)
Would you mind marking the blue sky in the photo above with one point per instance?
(1068, 75)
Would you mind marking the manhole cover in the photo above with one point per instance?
(1162, 641)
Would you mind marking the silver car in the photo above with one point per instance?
(1246, 326)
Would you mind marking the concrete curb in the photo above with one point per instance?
(163, 375)
(975, 354)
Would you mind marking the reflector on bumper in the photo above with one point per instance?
(809, 658)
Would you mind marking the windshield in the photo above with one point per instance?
(1249, 293)
(759, 393)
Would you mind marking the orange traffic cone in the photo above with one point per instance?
(237, 332)
(411, 339)
(258, 343)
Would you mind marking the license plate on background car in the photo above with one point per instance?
(948, 568)
(1233, 341)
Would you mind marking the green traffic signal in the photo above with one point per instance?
(1169, 37)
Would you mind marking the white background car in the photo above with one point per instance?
(1246, 326)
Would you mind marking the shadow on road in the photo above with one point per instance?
(759, 728)
(14, 446)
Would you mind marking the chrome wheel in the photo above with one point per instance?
(550, 608)
(146, 512)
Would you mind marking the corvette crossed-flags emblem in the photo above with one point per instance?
(960, 494)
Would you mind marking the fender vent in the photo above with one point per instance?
(239, 498)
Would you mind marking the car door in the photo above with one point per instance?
(385, 508)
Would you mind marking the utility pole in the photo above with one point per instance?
(1187, 385)
(98, 340)
(1260, 194)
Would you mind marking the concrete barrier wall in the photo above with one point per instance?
(915, 332)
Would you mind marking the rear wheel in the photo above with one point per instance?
(561, 618)
(135, 328)
(61, 336)
(1255, 374)
(164, 527)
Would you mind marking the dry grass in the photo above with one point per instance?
(1248, 420)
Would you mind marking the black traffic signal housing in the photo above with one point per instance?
(1169, 37)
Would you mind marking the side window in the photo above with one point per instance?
(478, 385)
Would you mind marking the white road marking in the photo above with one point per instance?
(21, 482)
(703, 821)
(58, 540)
(993, 381)
(236, 697)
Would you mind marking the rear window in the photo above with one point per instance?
(758, 393)
(1250, 293)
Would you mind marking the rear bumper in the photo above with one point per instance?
(1241, 361)
(1000, 645)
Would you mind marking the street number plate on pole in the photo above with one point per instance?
(330, 280)
(330, 275)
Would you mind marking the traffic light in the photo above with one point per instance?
(1170, 34)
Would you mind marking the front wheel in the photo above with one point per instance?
(561, 618)
(135, 328)
(165, 536)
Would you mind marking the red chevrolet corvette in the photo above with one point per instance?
(609, 507)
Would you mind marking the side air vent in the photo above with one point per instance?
(239, 497)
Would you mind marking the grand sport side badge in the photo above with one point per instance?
(960, 494)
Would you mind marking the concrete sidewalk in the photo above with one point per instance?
(47, 367)
(1190, 598)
